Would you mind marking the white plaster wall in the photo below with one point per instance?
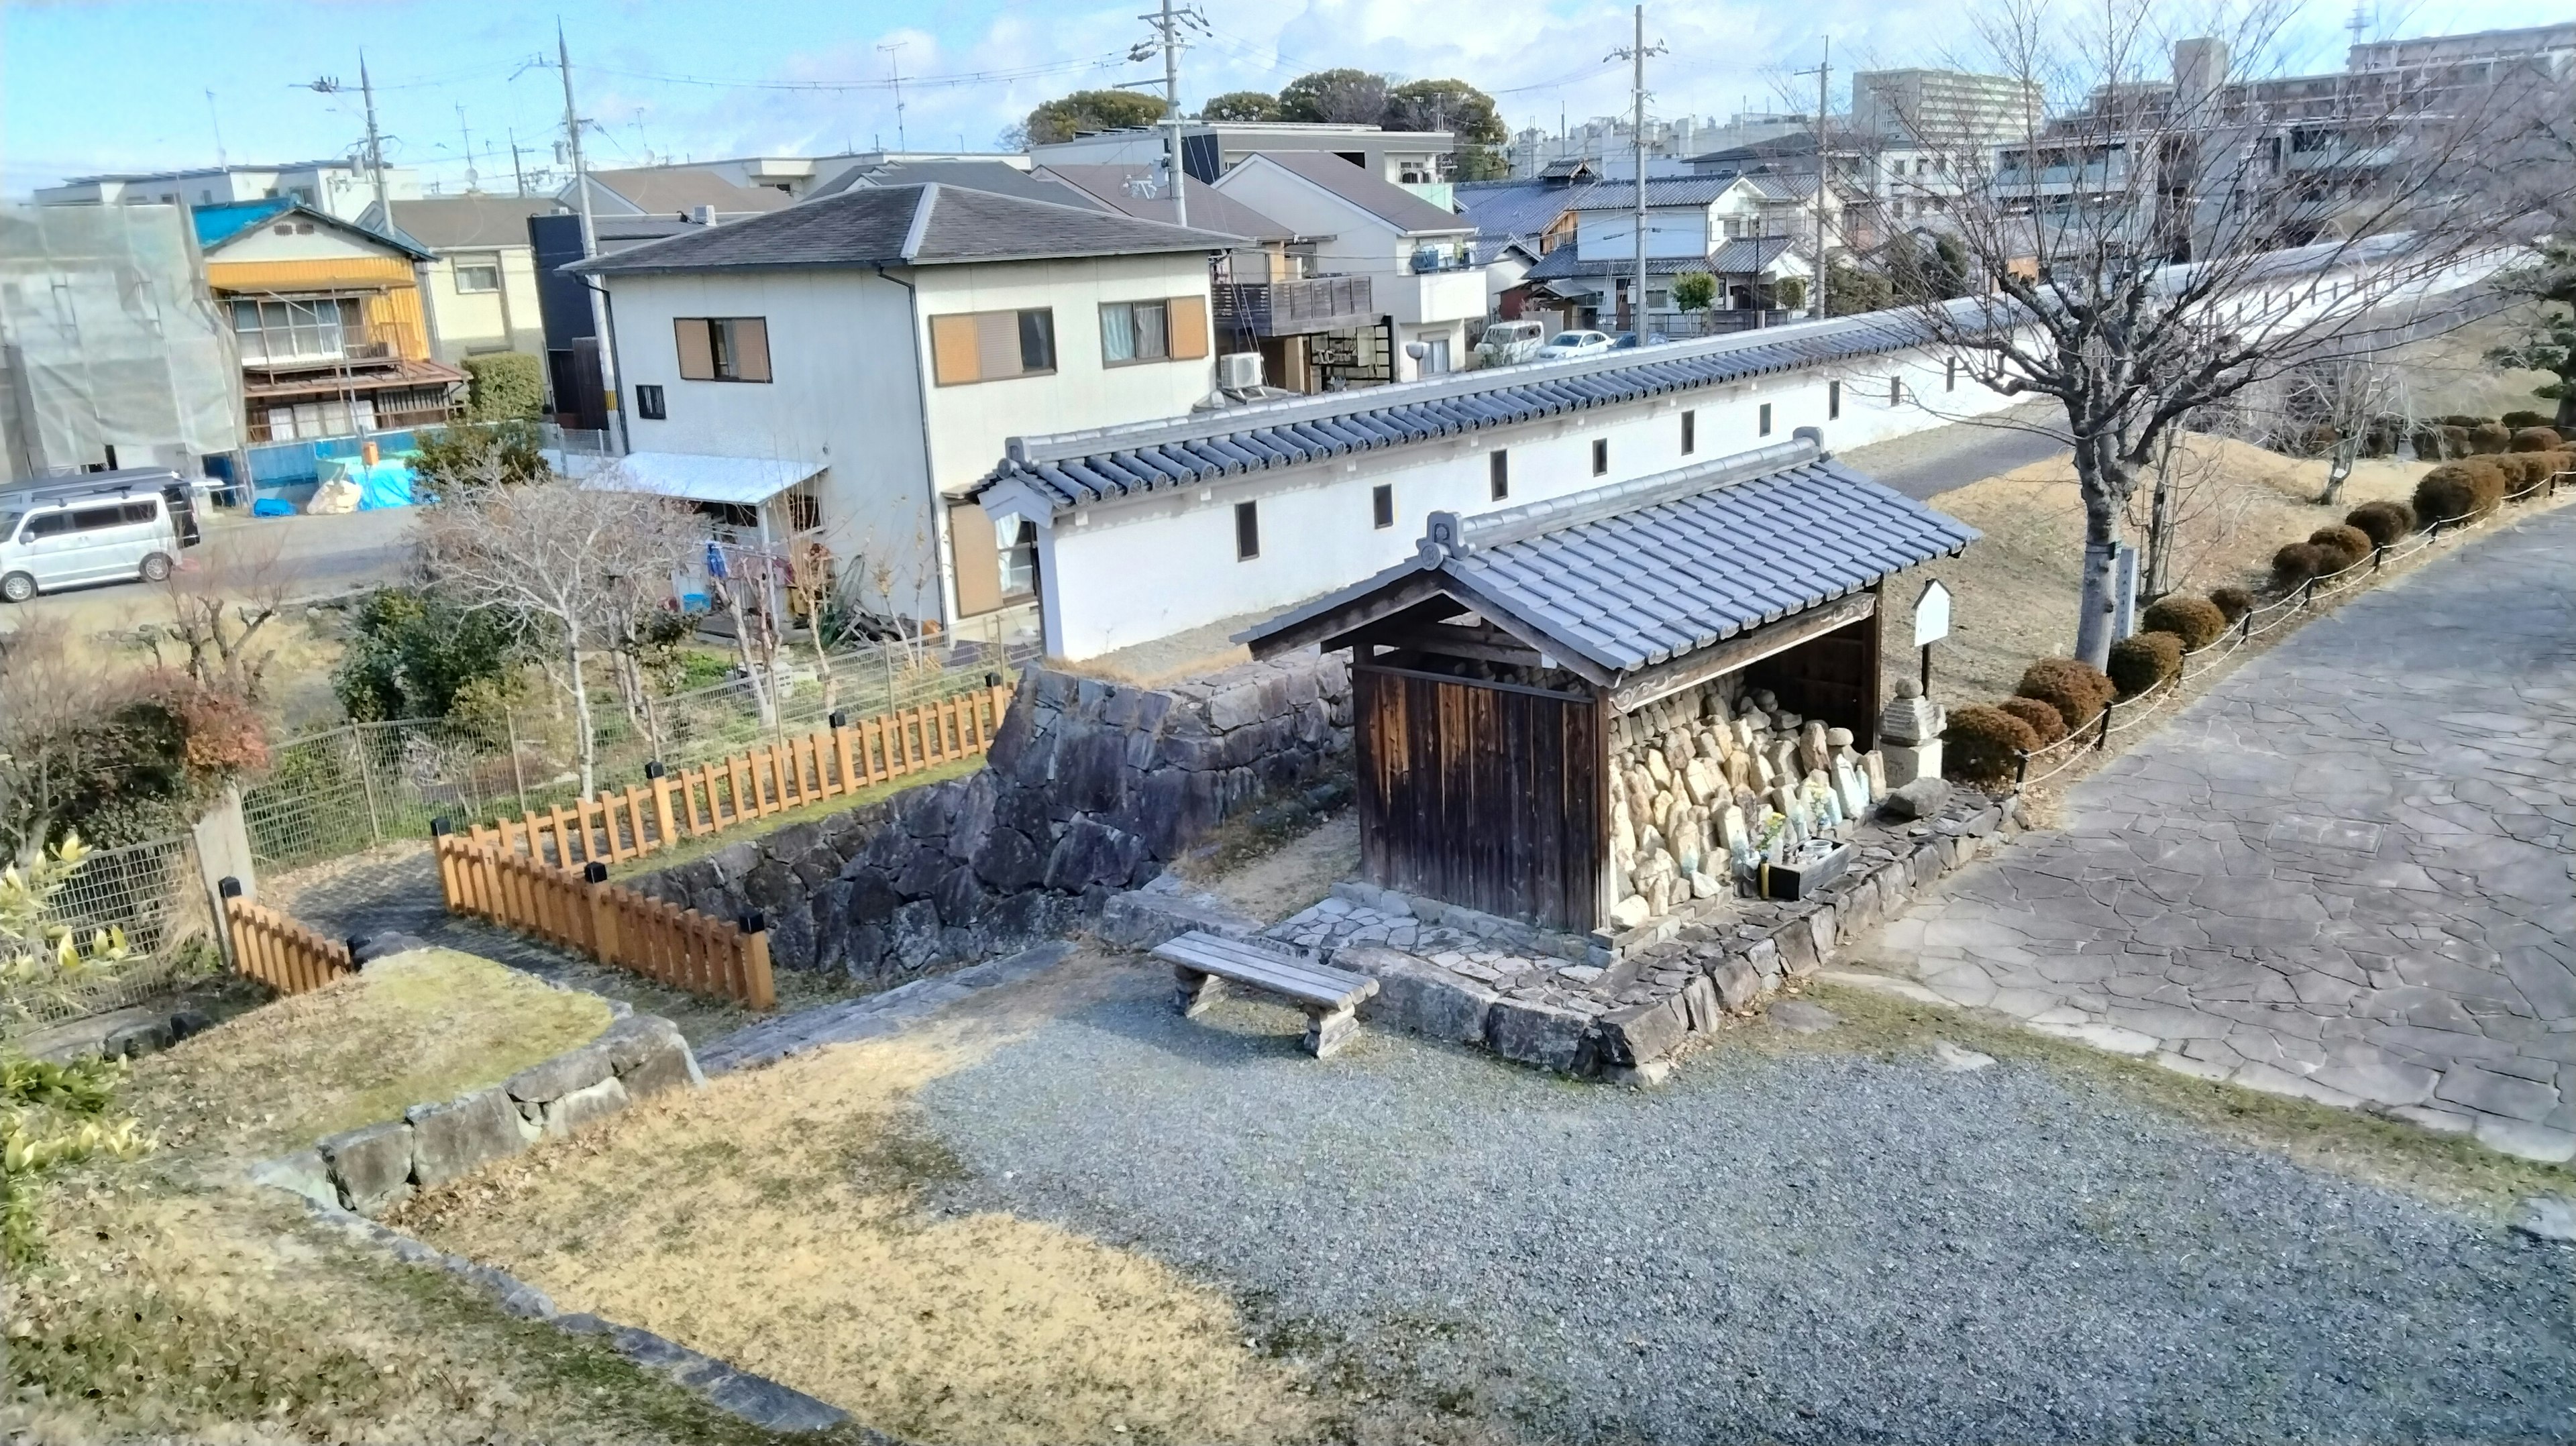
(845, 395)
(466, 322)
(1130, 572)
(326, 243)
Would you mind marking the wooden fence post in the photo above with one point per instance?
(757, 991)
(603, 914)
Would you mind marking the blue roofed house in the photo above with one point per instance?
(327, 316)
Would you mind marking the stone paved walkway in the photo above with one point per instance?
(2344, 874)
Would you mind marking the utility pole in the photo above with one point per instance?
(1824, 170)
(894, 67)
(473, 180)
(1637, 53)
(589, 242)
(518, 172)
(375, 145)
(1167, 38)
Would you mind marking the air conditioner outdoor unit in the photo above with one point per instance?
(1238, 371)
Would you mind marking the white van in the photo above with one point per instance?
(50, 541)
(1506, 342)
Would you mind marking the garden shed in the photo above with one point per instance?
(1503, 676)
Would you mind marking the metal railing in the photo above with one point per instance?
(2124, 714)
(149, 892)
(342, 791)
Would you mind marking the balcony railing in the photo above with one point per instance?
(300, 347)
(1294, 308)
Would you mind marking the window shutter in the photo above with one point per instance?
(751, 349)
(1189, 327)
(952, 349)
(697, 353)
(979, 560)
(997, 344)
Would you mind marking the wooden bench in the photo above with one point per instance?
(1205, 963)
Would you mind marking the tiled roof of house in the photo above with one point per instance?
(1509, 211)
(1210, 208)
(1674, 191)
(1639, 573)
(1383, 199)
(679, 190)
(919, 225)
(1111, 462)
(995, 176)
(220, 223)
(445, 223)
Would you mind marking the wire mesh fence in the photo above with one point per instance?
(337, 793)
(150, 892)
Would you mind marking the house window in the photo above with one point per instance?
(723, 348)
(1247, 531)
(1600, 456)
(1950, 374)
(987, 346)
(1766, 421)
(1498, 471)
(1833, 400)
(648, 403)
(1382, 505)
(1134, 331)
(1016, 538)
(1690, 432)
(478, 273)
(272, 332)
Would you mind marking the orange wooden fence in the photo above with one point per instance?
(279, 952)
(753, 784)
(616, 926)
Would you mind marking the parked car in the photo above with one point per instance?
(1506, 342)
(1575, 343)
(55, 541)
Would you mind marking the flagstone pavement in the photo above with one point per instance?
(2347, 873)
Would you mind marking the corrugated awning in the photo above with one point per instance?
(689, 476)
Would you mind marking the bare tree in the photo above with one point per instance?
(568, 560)
(220, 606)
(58, 733)
(2144, 249)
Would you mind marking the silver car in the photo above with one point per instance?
(52, 542)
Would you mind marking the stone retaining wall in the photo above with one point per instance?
(373, 1168)
(1089, 789)
(1564, 1003)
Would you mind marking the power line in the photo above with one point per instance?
(972, 77)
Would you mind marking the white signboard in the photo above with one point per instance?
(1931, 615)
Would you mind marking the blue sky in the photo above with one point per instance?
(110, 86)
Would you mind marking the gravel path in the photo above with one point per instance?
(1798, 1245)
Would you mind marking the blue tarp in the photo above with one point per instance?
(386, 484)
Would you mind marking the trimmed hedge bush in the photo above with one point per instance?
(2523, 469)
(1984, 744)
(2142, 660)
(505, 386)
(2043, 720)
(2535, 439)
(2459, 489)
(2078, 691)
(2455, 442)
(2195, 620)
(2429, 444)
(2299, 561)
(2233, 602)
(2488, 438)
(2349, 543)
(2459, 419)
(2385, 523)
(2520, 420)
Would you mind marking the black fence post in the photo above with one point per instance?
(440, 828)
(2378, 556)
(2102, 737)
(228, 887)
(2021, 768)
(654, 769)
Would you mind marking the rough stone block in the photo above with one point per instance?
(2496, 1094)
(567, 1113)
(1737, 983)
(1539, 1034)
(371, 1165)
(1420, 996)
(1641, 1033)
(1823, 931)
(552, 1079)
(1797, 945)
(649, 1056)
(462, 1135)
(1764, 956)
(1700, 1002)
(1916, 798)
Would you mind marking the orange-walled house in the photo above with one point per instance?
(327, 318)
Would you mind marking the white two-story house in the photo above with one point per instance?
(1744, 231)
(844, 370)
(1420, 259)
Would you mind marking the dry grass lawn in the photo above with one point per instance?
(1272, 879)
(177, 1302)
(428, 1025)
(2015, 592)
(773, 1220)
